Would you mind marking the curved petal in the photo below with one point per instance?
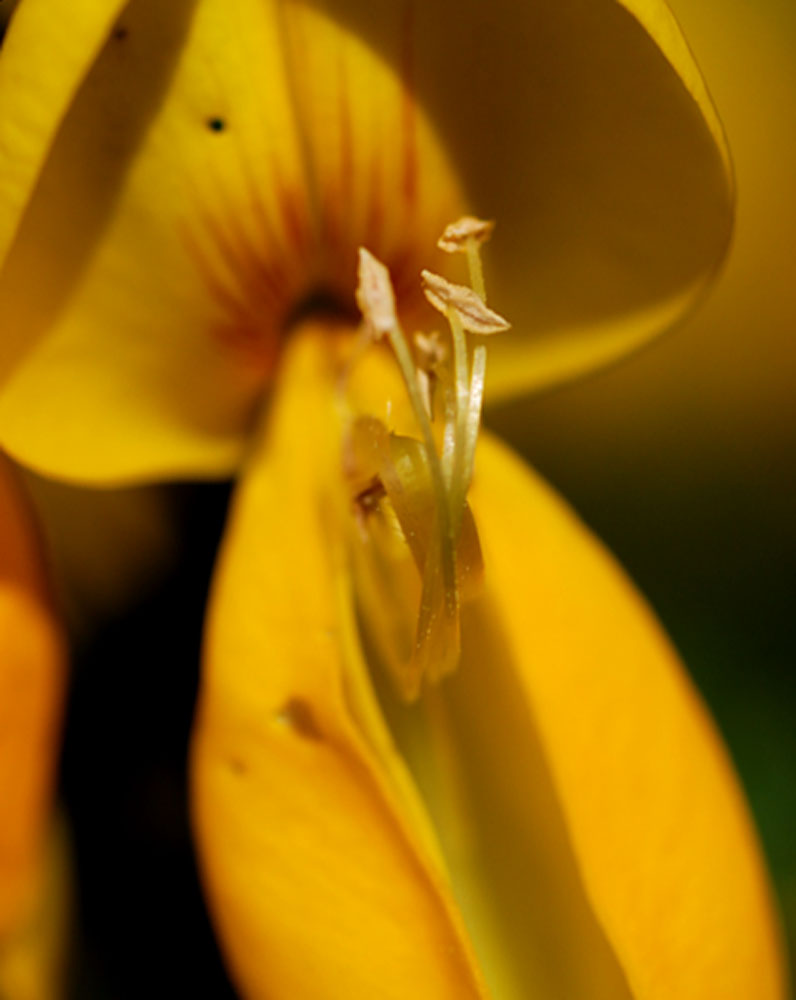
(669, 859)
(45, 57)
(32, 674)
(220, 164)
(323, 881)
(585, 129)
(181, 221)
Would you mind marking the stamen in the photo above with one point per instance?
(474, 313)
(431, 356)
(373, 296)
(476, 269)
(477, 382)
(426, 491)
(466, 236)
(462, 407)
(459, 234)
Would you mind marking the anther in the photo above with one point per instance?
(375, 296)
(473, 312)
(466, 235)
(459, 235)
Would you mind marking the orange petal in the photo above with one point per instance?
(323, 878)
(32, 675)
(34, 954)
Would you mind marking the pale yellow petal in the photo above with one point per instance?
(321, 878)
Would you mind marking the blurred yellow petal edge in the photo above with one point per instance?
(46, 54)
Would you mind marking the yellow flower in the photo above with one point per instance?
(184, 189)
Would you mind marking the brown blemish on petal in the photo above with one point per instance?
(297, 716)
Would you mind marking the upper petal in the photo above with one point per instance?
(586, 130)
(203, 186)
(220, 163)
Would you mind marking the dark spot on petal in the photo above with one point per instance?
(237, 766)
(216, 124)
(297, 715)
(120, 33)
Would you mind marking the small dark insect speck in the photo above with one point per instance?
(216, 124)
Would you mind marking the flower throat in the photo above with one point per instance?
(412, 521)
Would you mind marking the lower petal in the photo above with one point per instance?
(321, 880)
(657, 823)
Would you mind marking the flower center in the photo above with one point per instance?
(414, 528)
(335, 152)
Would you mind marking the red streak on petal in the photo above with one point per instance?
(374, 224)
(292, 209)
(408, 107)
(346, 141)
(250, 277)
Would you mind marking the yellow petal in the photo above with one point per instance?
(668, 857)
(323, 878)
(34, 955)
(187, 210)
(222, 161)
(45, 58)
(32, 674)
(587, 132)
